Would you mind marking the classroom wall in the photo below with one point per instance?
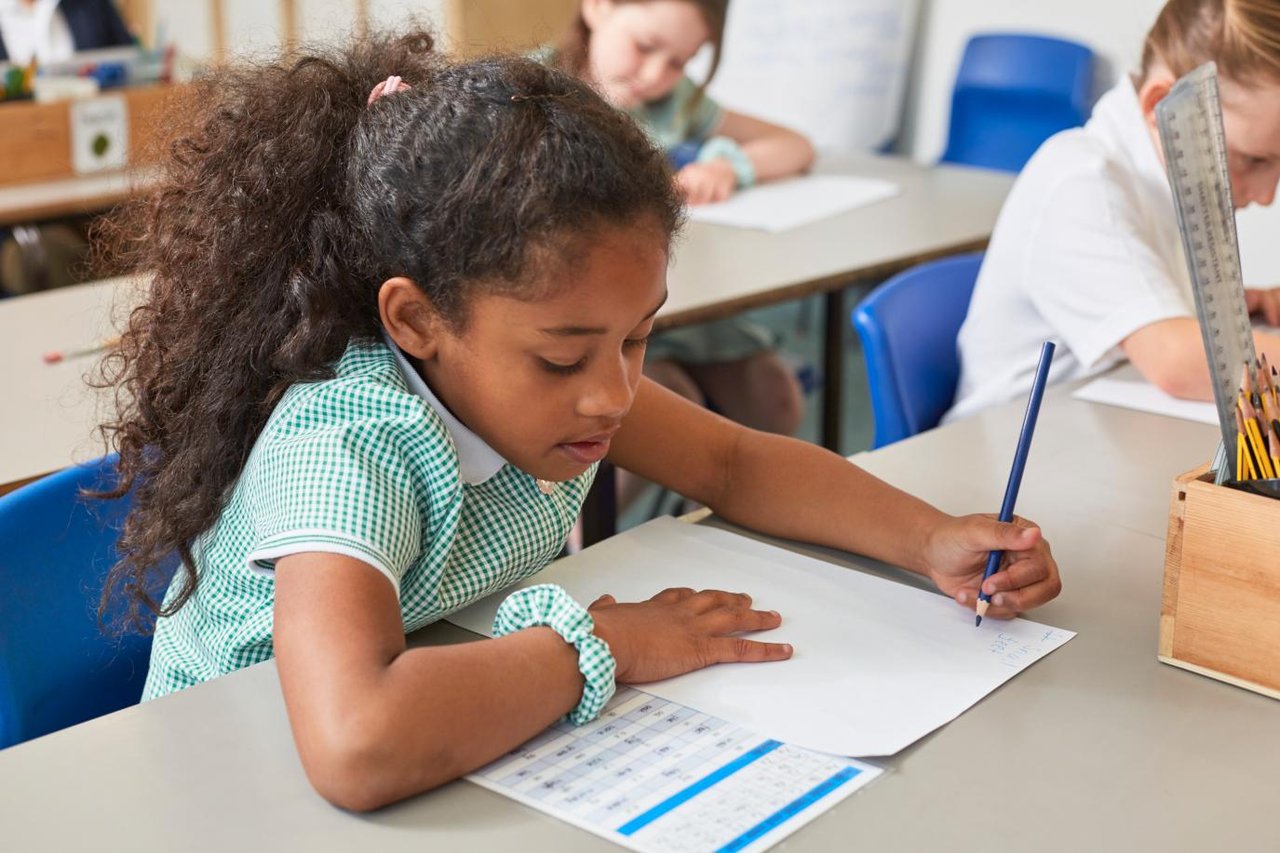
(1114, 30)
(253, 26)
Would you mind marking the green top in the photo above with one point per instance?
(668, 121)
(368, 464)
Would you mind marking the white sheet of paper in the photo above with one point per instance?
(1145, 397)
(877, 664)
(781, 205)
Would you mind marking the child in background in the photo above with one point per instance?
(1087, 251)
(392, 329)
(634, 53)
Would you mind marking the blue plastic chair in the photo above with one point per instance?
(57, 668)
(908, 328)
(1012, 93)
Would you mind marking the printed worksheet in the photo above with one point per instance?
(654, 775)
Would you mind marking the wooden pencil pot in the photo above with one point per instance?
(1220, 615)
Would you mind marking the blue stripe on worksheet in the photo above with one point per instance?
(790, 810)
(641, 821)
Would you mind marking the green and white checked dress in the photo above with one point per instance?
(371, 465)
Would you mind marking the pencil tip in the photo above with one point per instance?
(977, 621)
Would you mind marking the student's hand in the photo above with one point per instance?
(1265, 303)
(707, 182)
(956, 555)
(679, 630)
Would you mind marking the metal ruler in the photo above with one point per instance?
(1195, 156)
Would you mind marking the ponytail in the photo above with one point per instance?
(242, 238)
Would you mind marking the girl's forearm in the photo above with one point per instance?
(779, 155)
(436, 713)
(786, 487)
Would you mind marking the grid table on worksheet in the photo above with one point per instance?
(655, 775)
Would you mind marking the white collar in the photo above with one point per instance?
(477, 461)
(1120, 109)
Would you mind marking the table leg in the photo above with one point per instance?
(600, 510)
(833, 368)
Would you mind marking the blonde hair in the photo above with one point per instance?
(1241, 36)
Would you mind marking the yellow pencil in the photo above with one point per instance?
(1275, 448)
(1264, 464)
(1244, 456)
(1269, 409)
(1255, 438)
(1239, 456)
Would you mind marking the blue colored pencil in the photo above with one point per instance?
(1019, 463)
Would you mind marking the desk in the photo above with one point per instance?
(719, 271)
(27, 203)
(1098, 746)
(39, 180)
(50, 411)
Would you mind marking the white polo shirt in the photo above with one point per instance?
(1086, 251)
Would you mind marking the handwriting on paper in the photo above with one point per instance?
(1013, 653)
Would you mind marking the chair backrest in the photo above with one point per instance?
(908, 328)
(57, 668)
(1013, 92)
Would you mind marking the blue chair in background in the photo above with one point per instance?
(908, 328)
(1012, 93)
(57, 668)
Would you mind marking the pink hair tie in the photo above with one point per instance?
(389, 86)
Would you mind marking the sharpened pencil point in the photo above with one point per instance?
(977, 621)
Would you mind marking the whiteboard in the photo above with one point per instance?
(834, 70)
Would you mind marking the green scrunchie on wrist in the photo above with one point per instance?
(724, 148)
(548, 604)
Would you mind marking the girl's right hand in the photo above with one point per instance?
(680, 630)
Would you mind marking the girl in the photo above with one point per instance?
(634, 52)
(1087, 250)
(390, 336)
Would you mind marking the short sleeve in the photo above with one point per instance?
(353, 486)
(678, 118)
(1091, 269)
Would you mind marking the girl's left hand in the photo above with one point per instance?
(956, 555)
(707, 182)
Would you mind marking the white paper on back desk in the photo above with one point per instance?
(877, 664)
(1142, 396)
(785, 204)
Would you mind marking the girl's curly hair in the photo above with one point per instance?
(283, 205)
